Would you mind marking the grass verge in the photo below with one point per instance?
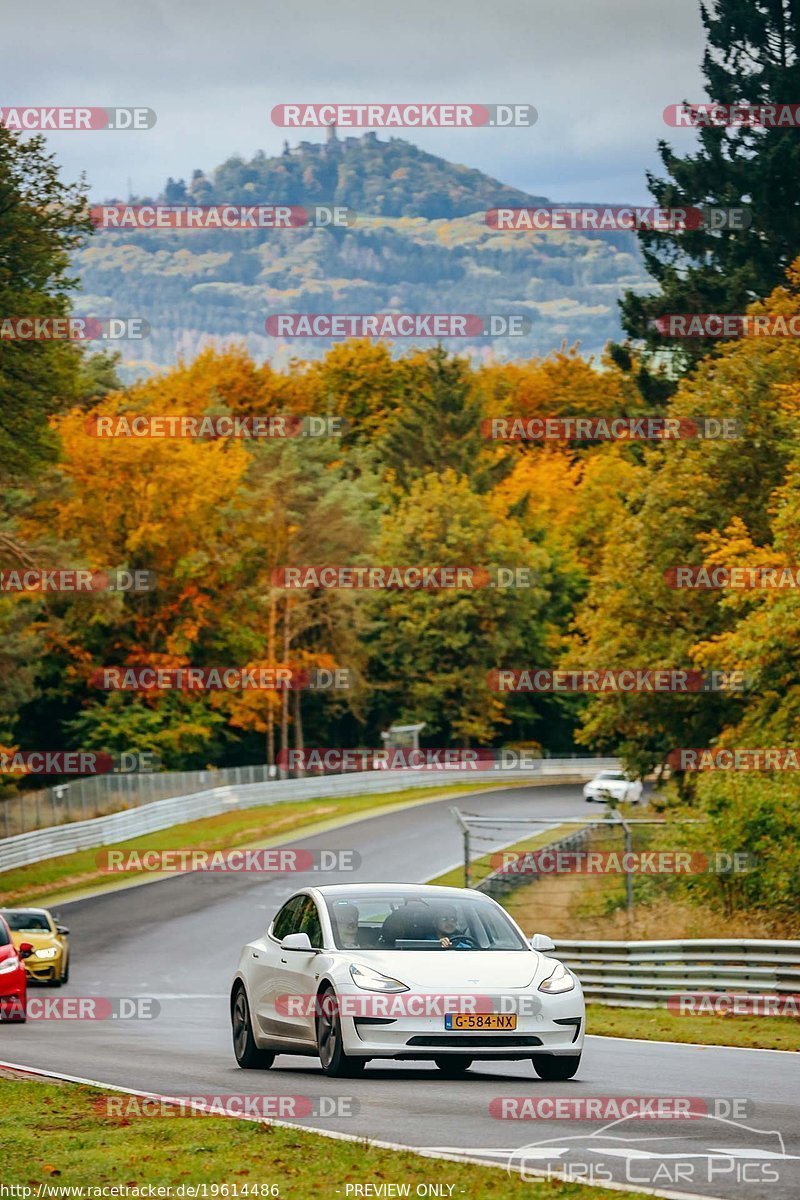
(70, 875)
(658, 1024)
(58, 1134)
(486, 863)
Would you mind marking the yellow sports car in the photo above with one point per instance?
(49, 962)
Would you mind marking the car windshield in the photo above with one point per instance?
(611, 775)
(4, 938)
(27, 921)
(385, 920)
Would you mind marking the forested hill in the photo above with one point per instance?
(384, 178)
(420, 244)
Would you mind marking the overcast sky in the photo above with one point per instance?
(600, 73)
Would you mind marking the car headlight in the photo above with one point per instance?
(8, 965)
(373, 981)
(560, 981)
(47, 952)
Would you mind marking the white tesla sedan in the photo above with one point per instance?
(613, 785)
(405, 971)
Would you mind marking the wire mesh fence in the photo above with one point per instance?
(553, 873)
(97, 795)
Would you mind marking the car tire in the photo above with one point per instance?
(554, 1067)
(65, 976)
(248, 1054)
(330, 1041)
(453, 1066)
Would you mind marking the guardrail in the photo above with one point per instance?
(646, 974)
(25, 848)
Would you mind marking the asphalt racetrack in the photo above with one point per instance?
(178, 941)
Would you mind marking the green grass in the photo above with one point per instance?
(483, 866)
(70, 874)
(658, 1024)
(52, 1133)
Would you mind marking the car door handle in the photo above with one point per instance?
(254, 954)
(284, 960)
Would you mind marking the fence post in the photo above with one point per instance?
(628, 874)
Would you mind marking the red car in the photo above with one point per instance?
(13, 986)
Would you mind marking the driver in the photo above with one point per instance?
(447, 929)
(347, 926)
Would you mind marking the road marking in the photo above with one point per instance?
(607, 1037)
(187, 995)
(445, 1153)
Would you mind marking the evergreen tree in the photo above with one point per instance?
(436, 426)
(41, 221)
(752, 57)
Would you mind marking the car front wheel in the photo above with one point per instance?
(330, 1040)
(553, 1067)
(248, 1055)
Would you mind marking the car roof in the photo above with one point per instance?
(25, 908)
(411, 889)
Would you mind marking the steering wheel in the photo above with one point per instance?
(458, 941)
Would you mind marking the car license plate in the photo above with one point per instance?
(480, 1021)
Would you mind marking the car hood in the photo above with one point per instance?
(441, 970)
(36, 938)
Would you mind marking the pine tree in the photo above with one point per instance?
(752, 57)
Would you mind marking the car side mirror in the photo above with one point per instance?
(297, 941)
(542, 943)
(62, 929)
(25, 950)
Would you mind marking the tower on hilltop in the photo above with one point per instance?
(332, 143)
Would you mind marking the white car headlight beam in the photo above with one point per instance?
(373, 981)
(561, 980)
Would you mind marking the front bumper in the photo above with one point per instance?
(45, 971)
(557, 1029)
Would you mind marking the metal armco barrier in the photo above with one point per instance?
(646, 974)
(25, 848)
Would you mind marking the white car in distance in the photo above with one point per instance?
(349, 973)
(613, 785)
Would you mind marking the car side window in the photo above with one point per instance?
(287, 921)
(310, 923)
